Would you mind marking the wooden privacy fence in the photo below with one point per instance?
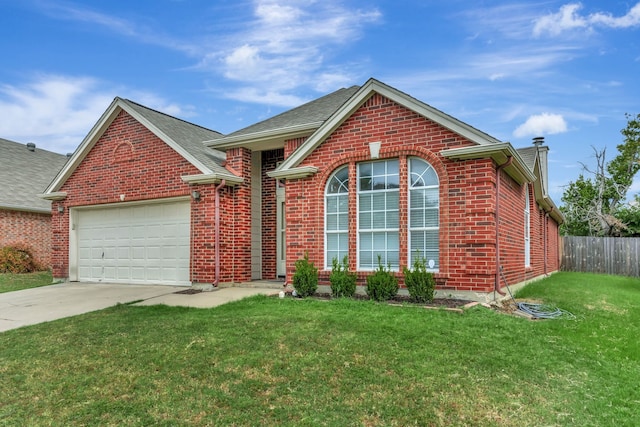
(608, 255)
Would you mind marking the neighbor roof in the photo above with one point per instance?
(184, 137)
(24, 174)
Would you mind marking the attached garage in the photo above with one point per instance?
(139, 244)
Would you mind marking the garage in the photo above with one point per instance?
(137, 244)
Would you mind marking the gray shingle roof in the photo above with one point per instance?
(188, 135)
(315, 111)
(24, 174)
(529, 155)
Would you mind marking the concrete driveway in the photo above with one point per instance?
(37, 305)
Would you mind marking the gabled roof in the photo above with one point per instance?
(299, 121)
(289, 168)
(184, 137)
(24, 174)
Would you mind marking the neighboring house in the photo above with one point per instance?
(362, 172)
(25, 218)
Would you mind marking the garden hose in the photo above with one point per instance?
(538, 311)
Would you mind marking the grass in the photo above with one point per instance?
(266, 361)
(15, 282)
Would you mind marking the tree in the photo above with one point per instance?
(597, 205)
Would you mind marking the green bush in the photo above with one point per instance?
(343, 282)
(419, 282)
(305, 278)
(382, 285)
(17, 259)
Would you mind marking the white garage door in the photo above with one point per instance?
(135, 244)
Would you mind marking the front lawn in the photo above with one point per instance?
(267, 361)
(15, 282)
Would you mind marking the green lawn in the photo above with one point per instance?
(15, 282)
(266, 361)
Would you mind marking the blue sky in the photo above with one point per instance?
(565, 70)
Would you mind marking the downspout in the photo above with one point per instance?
(498, 180)
(217, 231)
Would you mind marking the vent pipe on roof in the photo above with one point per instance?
(538, 141)
(31, 146)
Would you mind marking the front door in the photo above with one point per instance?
(281, 241)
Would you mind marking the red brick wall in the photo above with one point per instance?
(237, 230)
(467, 199)
(30, 228)
(129, 159)
(270, 160)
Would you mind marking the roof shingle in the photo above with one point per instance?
(24, 174)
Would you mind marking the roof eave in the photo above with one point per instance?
(54, 195)
(213, 178)
(265, 140)
(499, 153)
(25, 209)
(293, 173)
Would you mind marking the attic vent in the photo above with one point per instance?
(69, 155)
(31, 146)
(538, 140)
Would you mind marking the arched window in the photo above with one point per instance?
(337, 216)
(527, 227)
(424, 213)
(379, 211)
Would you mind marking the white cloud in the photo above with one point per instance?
(541, 124)
(285, 48)
(56, 112)
(569, 18)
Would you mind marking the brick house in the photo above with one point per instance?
(361, 172)
(24, 217)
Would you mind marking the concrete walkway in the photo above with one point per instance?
(37, 305)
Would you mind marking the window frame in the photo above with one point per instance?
(345, 233)
(378, 231)
(410, 229)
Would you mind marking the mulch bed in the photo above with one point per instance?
(401, 299)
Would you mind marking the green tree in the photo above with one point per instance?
(597, 205)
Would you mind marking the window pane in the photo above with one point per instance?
(365, 202)
(431, 197)
(365, 221)
(393, 181)
(332, 204)
(343, 222)
(378, 202)
(417, 199)
(332, 222)
(365, 184)
(393, 221)
(343, 203)
(392, 200)
(431, 218)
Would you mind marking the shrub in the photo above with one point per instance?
(343, 282)
(305, 278)
(419, 282)
(382, 285)
(17, 259)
